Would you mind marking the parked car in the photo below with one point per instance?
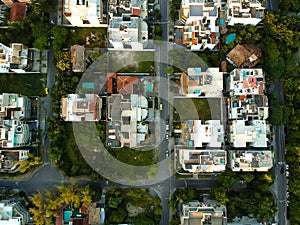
(160, 107)
(167, 136)
(167, 127)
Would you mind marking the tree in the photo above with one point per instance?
(60, 35)
(114, 201)
(117, 216)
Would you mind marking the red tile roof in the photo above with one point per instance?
(124, 84)
(135, 11)
(18, 11)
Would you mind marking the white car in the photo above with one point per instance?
(167, 127)
(167, 136)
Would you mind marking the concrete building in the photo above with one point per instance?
(14, 106)
(246, 90)
(20, 59)
(251, 133)
(246, 82)
(197, 133)
(14, 134)
(249, 161)
(202, 213)
(197, 83)
(244, 12)
(199, 28)
(203, 161)
(81, 108)
(126, 120)
(8, 159)
(13, 213)
(82, 13)
(127, 29)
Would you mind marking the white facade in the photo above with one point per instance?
(13, 213)
(245, 12)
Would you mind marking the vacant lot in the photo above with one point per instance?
(90, 37)
(131, 62)
(197, 109)
(25, 84)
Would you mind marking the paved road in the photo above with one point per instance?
(271, 5)
(281, 181)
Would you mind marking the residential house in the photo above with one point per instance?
(14, 106)
(9, 158)
(127, 33)
(197, 83)
(127, 29)
(198, 134)
(246, 90)
(203, 161)
(77, 58)
(244, 56)
(249, 133)
(199, 29)
(123, 84)
(13, 213)
(202, 213)
(19, 59)
(11, 2)
(249, 161)
(18, 11)
(244, 12)
(14, 133)
(83, 13)
(81, 108)
(126, 120)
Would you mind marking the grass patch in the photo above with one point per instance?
(24, 84)
(74, 163)
(131, 62)
(134, 157)
(90, 37)
(198, 109)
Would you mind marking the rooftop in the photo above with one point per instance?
(196, 82)
(128, 32)
(197, 133)
(244, 55)
(244, 160)
(77, 58)
(83, 13)
(18, 11)
(197, 161)
(253, 133)
(246, 82)
(202, 213)
(81, 108)
(14, 134)
(127, 120)
(8, 158)
(245, 12)
(250, 107)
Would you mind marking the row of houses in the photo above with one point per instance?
(241, 138)
(16, 126)
(201, 22)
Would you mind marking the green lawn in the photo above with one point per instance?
(25, 84)
(134, 157)
(198, 108)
